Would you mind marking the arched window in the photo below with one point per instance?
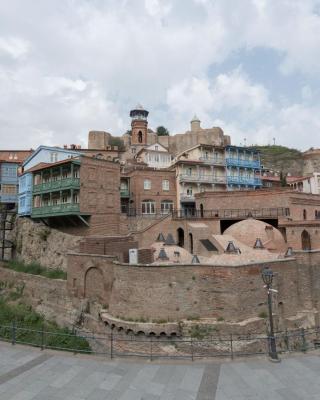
(148, 207)
(305, 240)
(140, 137)
(166, 206)
(201, 210)
(180, 233)
(304, 214)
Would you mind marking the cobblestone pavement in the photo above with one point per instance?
(29, 374)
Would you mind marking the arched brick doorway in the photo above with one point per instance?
(305, 240)
(94, 285)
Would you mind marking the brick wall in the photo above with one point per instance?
(99, 195)
(156, 192)
(115, 246)
(187, 291)
(47, 296)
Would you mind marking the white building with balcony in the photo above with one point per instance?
(155, 156)
(199, 169)
(307, 184)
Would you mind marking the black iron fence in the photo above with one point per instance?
(192, 213)
(236, 213)
(192, 348)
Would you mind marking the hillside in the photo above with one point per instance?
(281, 158)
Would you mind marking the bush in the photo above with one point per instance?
(263, 314)
(36, 269)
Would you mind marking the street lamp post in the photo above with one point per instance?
(267, 277)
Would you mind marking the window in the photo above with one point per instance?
(156, 148)
(76, 198)
(9, 189)
(9, 171)
(133, 150)
(148, 207)
(147, 184)
(166, 206)
(165, 185)
(189, 191)
(53, 157)
(76, 173)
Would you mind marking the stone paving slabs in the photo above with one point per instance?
(31, 374)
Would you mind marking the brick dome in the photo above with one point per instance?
(248, 230)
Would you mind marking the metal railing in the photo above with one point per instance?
(189, 213)
(154, 347)
(213, 160)
(241, 180)
(53, 185)
(238, 162)
(55, 209)
(201, 178)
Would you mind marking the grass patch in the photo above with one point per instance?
(30, 325)
(201, 331)
(36, 269)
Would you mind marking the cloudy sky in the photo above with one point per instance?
(249, 66)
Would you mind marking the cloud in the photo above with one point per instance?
(83, 64)
(14, 46)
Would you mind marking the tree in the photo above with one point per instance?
(162, 131)
(129, 132)
(116, 141)
(283, 179)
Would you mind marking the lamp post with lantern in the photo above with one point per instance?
(267, 277)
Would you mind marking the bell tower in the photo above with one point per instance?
(139, 125)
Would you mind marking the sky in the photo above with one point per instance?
(251, 67)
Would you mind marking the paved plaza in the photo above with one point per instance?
(30, 374)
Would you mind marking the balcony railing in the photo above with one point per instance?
(124, 193)
(240, 180)
(271, 213)
(187, 198)
(57, 185)
(237, 162)
(199, 178)
(213, 160)
(56, 209)
(8, 198)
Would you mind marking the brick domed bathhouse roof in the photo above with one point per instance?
(248, 230)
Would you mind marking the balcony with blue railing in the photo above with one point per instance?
(241, 180)
(238, 162)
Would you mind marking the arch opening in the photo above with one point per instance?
(180, 233)
(305, 240)
(191, 243)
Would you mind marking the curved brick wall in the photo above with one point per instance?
(172, 293)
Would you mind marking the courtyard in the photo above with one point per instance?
(31, 374)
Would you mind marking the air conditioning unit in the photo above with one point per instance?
(133, 256)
